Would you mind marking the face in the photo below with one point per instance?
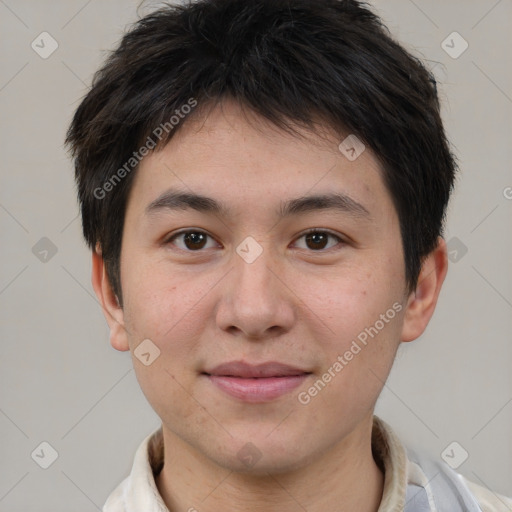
(247, 283)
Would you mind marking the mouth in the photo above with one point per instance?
(256, 383)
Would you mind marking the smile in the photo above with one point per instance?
(256, 383)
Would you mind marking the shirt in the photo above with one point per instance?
(403, 479)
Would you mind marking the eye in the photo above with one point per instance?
(193, 240)
(317, 239)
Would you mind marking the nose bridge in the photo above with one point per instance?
(255, 272)
(257, 300)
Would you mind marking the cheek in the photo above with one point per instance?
(348, 302)
(359, 317)
(357, 355)
(152, 293)
(160, 308)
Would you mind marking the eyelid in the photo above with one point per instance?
(172, 236)
(320, 230)
(341, 239)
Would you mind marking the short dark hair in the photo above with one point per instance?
(292, 62)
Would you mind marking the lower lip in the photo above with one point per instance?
(257, 390)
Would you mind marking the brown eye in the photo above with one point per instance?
(317, 240)
(192, 240)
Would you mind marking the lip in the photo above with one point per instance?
(263, 370)
(256, 383)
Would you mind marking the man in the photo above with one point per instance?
(263, 186)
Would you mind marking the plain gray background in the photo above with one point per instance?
(61, 381)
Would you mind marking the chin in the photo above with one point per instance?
(264, 466)
(259, 456)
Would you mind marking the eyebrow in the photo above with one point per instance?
(179, 200)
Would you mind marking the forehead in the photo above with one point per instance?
(231, 159)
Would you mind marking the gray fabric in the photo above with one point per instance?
(449, 492)
(416, 499)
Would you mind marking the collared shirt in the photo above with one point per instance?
(402, 479)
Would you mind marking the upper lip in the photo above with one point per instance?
(246, 370)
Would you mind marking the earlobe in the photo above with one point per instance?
(113, 312)
(422, 302)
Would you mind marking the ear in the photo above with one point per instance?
(422, 301)
(113, 312)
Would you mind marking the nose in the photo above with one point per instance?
(257, 300)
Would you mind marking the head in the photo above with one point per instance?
(252, 105)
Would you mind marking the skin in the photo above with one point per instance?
(298, 303)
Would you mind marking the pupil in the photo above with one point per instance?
(316, 237)
(194, 238)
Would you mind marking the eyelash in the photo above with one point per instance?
(309, 231)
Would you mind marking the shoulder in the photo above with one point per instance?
(138, 491)
(441, 483)
(488, 500)
(115, 501)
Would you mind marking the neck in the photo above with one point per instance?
(345, 478)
